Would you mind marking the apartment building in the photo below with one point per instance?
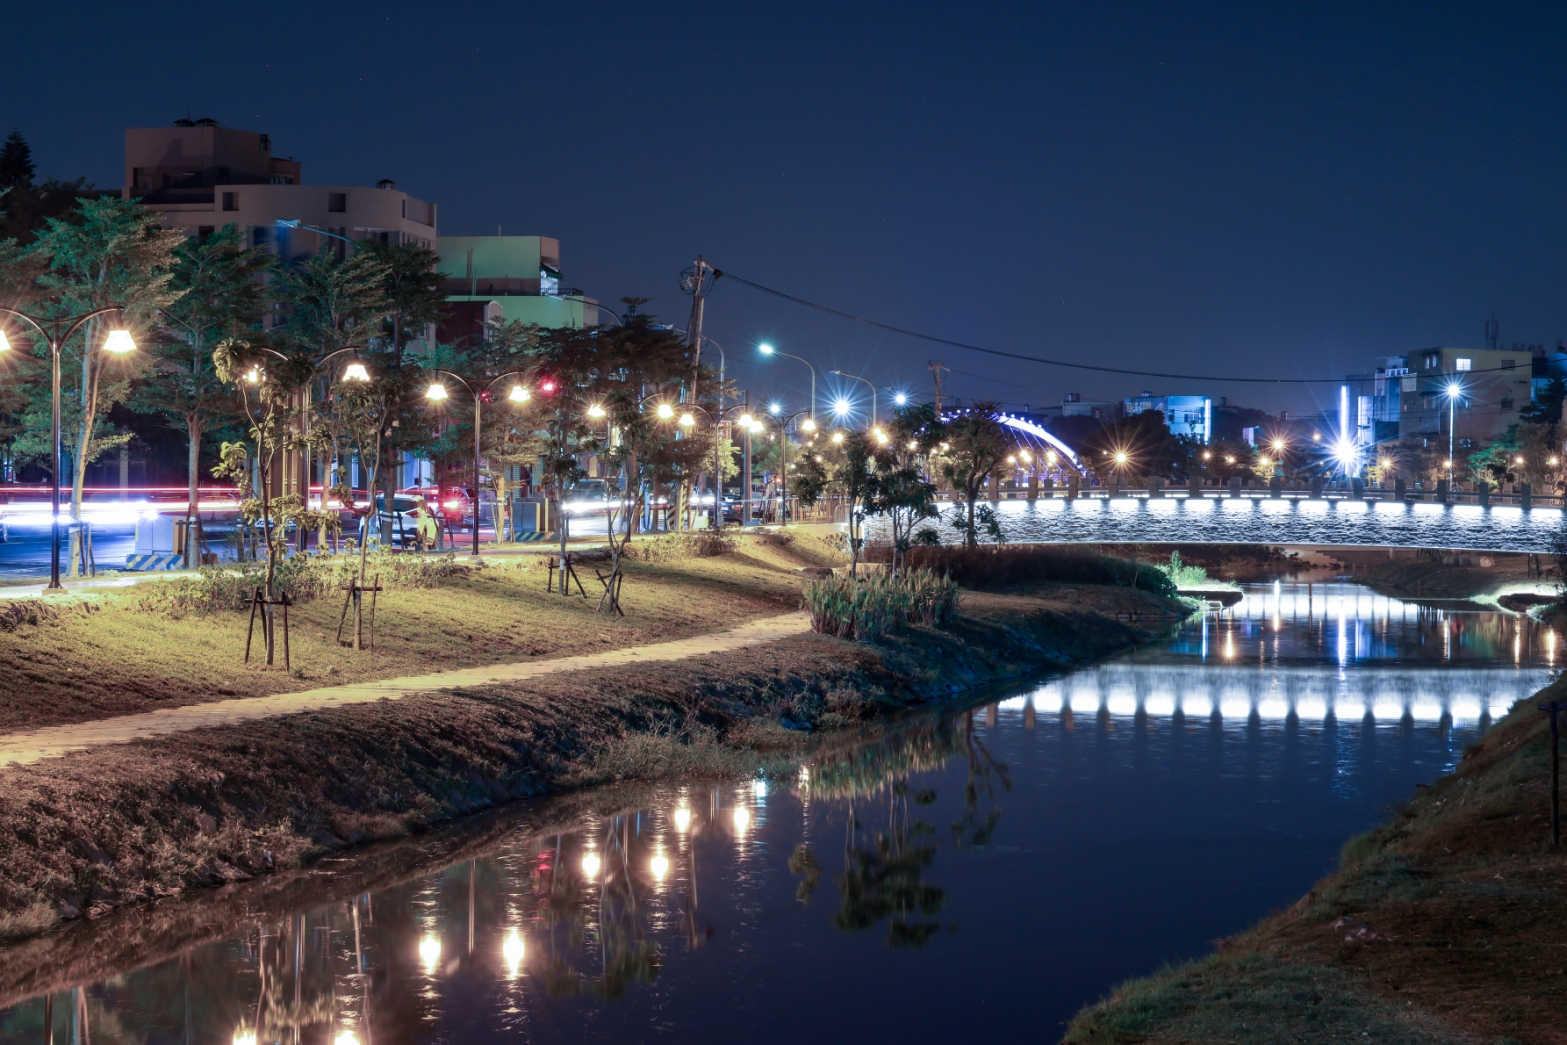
(1190, 416)
(507, 279)
(201, 175)
(1416, 398)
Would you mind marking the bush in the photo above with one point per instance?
(867, 607)
(683, 544)
(992, 568)
(1181, 574)
(301, 577)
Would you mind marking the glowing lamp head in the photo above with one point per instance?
(1050, 456)
(841, 406)
(766, 350)
(1228, 459)
(1518, 460)
(1206, 456)
(1264, 461)
(808, 425)
(519, 394)
(1278, 445)
(595, 411)
(665, 411)
(547, 386)
(901, 398)
(356, 372)
(1120, 457)
(687, 421)
(119, 342)
(837, 437)
(253, 376)
(914, 444)
(1386, 463)
(745, 420)
(775, 408)
(1012, 460)
(437, 392)
(5, 343)
(1454, 389)
(1026, 456)
(1551, 461)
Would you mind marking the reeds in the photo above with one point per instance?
(865, 608)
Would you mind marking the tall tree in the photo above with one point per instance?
(112, 253)
(221, 294)
(16, 162)
(411, 296)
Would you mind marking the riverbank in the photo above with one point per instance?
(130, 823)
(1443, 925)
(1424, 578)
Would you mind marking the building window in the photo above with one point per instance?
(1431, 360)
(1462, 365)
(231, 201)
(258, 237)
(203, 233)
(405, 208)
(337, 202)
(1509, 364)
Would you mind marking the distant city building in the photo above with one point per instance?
(1074, 405)
(1413, 398)
(201, 175)
(1189, 416)
(509, 279)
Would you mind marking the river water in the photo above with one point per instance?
(964, 875)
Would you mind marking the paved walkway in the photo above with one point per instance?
(35, 745)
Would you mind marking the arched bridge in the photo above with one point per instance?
(1180, 517)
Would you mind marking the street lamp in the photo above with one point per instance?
(769, 350)
(687, 420)
(861, 380)
(437, 393)
(1454, 390)
(783, 422)
(117, 343)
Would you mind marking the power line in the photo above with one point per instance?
(720, 273)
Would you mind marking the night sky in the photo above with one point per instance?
(1264, 190)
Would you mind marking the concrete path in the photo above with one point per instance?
(51, 742)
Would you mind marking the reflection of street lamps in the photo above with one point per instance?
(768, 350)
(437, 393)
(117, 343)
(861, 380)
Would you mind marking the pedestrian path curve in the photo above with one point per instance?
(25, 747)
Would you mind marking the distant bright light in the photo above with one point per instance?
(665, 411)
(547, 386)
(841, 407)
(437, 391)
(356, 372)
(766, 350)
(837, 437)
(776, 408)
(1120, 457)
(1316, 437)
(1264, 461)
(5, 346)
(1345, 452)
(1454, 389)
(119, 342)
(1518, 460)
(595, 411)
(687, 420)
(591, 864)
(808, 425)
(429, 954)
(901, 398)
(519, 394)
(1206, 455)
(513, 950)
(253, 376)
(1278, 445)
(1386, 463)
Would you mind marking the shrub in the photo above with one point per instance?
(1181, 574)
(683, 544)
(301, 577)
(866, 608)
(991, 568)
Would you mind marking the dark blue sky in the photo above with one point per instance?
(1270, 190)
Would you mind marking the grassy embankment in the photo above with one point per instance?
(128, 823)
(1446, 924)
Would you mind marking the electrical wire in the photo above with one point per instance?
(721, 273)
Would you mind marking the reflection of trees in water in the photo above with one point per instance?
(884, 867)
(611, 917)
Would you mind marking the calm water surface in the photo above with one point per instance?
(979, 873)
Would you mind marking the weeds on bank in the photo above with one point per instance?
(1008, 566)
(867, 607)
(683, 544)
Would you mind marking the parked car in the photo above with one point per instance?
(404, 523)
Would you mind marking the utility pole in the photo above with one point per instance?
(694, 281)
(937, 368)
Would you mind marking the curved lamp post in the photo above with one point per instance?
(117, 343)
(783, 421)
(874, 411)
(437, 393)
(769, 350)
(686, 420)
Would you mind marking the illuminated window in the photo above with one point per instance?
(1461, 364)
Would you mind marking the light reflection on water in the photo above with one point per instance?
(1085, 828)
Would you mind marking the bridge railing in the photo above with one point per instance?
(1511, 494)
